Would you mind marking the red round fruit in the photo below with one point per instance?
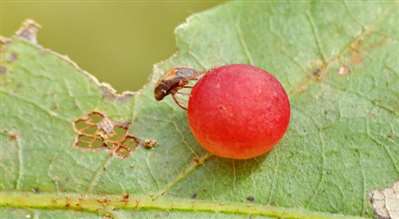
(238, 111)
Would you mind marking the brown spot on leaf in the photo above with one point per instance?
(12, 57)
(3, 70)
(343, 70)
(107, 215)
(317, 68)
(149, 143)
(68, 202)
(250, 198)
(104, 201)
(198, 160)
(125, 198)
(355, 50)
(29, 30)
(316, 73)
(35, 190)
(12, 136)
(97, 131)
(77, 205)
(356, 57)
(386, 202)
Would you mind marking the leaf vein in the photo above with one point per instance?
(20, 164)
(322, 172)
(90, 203)
(386, 149)
(48, 112)
(316, 37)
(98, 173)
(183, 174)
(243, 43)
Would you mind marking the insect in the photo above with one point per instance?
(174, 80)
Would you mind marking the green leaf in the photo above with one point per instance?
(337, 60)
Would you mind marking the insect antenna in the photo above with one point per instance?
(184, 94)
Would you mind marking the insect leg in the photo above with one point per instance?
(177, 102)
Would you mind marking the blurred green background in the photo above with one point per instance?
(117, 41)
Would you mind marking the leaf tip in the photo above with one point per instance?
(29, 30)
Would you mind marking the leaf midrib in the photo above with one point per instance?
(101, 203)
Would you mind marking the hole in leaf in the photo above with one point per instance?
(81, 124)
(122, 152)
(130, 141)
(82, 144)
(118, 134)
(85, 138)
(95, 131)
(90, 130)
(95, 117)
(98, 142)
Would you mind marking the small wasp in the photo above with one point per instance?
(174, 80)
